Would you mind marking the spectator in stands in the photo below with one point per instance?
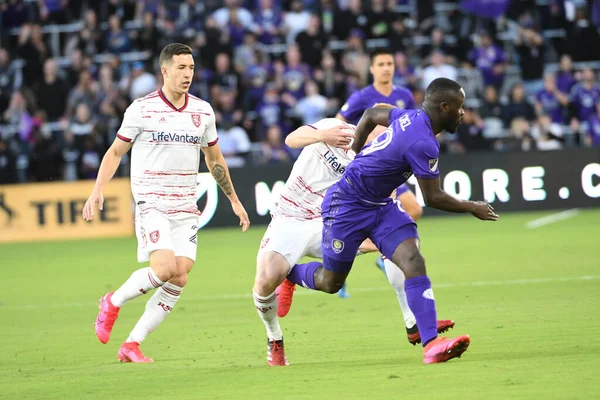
(593, 134)
(351, 18)
(18, 115)
(581, 37)
(471, 80)
(148, 38)
(222, 15)
(268, 20)
(226, 110)
(274, 150)
(314, 106)
(379, 20)
(437, 69)
(8, 164)
(565, 79)
(225, 75)
(490, 59)
(517, 106)
(470, 132)
(46, 160)
(548, 135)
(399, 38)
(491, 112)
(551, 101)
(246, 54)
(584, 96)
(439, 43)
(296, 20)
(329, 79)
(211, 42)
(89, 159)
(234, 142)
(9, 79)
(404, 73)
(191, 16)
(518, 137)
(86, 91)
(52, 92)
(81, 126)
(312, 42)
(54, 11)
(117, 39)
(141, 81)
(531, 50)
(33, 50)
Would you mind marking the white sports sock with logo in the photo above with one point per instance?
(267, 310)
(396, 278)
(139, 283)
(158, 309)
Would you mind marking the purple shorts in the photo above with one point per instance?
(348, 221)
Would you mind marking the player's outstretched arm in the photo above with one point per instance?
(218, 168)
(108, 167)
(370, 119)
(435, 197)
(337, 136)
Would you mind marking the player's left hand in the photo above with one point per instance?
(240, 211)
(484, 211)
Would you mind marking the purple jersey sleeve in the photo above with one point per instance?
(422, 157)
(394, 115)
(353, 109)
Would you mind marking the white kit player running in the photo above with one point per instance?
(166, 131)
(296, 226)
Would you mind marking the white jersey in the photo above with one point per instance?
(317, 168)
(165, 156)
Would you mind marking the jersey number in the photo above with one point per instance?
(380, 142)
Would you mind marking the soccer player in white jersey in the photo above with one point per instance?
(296, 227)
(166, 131)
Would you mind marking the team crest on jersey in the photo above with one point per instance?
(196, 120)
(337, 246)
(154, 236)
(433, 165)
(400, 104)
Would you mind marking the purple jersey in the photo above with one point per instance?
(565, 81)
(485, 59)
(585, 100)
(594, 130)
(551, 106)
(369, 96)
(407, 147)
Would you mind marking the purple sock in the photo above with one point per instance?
(420, 300)
(304, 274)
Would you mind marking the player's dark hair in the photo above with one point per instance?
(380, 52)
(173, 49)
(440, 87)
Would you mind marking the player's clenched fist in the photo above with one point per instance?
(484, 211)
(88, 208)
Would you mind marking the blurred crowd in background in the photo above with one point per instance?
(70, 68)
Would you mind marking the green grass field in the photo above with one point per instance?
(528, 297)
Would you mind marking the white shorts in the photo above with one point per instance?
(293, 238)
(155, 231)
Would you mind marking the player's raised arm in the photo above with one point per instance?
(218, 168)
(338, 136)
(377, 115)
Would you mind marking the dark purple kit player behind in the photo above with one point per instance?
(358, 206)
(358, 102)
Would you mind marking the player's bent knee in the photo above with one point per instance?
(329, 281)
(408, 257)
(164, 264)
(179, 280)
(271, 269)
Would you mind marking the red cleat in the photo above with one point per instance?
(285, 293)
(414, 336)
(276, 354)
(442, 349)
(106, 318)
(130, 352)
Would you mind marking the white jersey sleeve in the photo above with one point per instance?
(210, 134)
(132, 124)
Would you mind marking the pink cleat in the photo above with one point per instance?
(442, 349)
(106, 318)
(130, 352)
(285, 294)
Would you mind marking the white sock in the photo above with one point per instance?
(396, 278)
(157, 309)
(267, 310)
(139, 283)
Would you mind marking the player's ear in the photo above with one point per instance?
(443, 106)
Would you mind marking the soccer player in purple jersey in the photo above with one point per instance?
(358, 206)
(384, 92)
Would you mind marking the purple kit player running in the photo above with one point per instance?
(358, 206)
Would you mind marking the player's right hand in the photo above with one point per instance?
(338, 136)
(484, 211)
(88, 208)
